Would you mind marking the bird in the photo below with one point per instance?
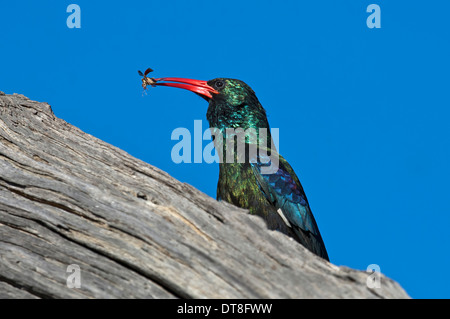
(258, 179)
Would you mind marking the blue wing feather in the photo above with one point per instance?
(284, 191)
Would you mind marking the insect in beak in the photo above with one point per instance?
(146, 81)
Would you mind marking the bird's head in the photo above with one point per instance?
(232, 103)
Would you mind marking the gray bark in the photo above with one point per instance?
(68, 198)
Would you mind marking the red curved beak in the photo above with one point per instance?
(196, 86)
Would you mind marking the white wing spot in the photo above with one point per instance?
(280, 212)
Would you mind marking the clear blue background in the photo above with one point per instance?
(363, 113)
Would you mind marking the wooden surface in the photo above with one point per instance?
(135, 232)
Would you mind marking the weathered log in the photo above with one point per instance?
(67, 198)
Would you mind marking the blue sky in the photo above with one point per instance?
(363, 114)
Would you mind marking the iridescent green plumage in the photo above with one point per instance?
(279, 197)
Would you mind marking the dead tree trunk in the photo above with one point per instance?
(67, 198)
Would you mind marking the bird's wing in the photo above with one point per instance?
(283, 190)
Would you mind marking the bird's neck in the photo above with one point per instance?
(240, 133)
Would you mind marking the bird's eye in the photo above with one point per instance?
(219, 84)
